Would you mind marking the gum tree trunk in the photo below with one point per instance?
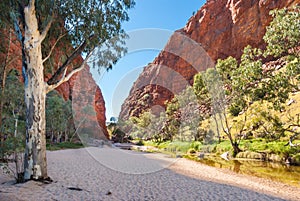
(35, 94)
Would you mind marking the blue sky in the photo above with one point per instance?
(151, 24)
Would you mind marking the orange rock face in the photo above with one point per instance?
(87, 104)
(221, 28)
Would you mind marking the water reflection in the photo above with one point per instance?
(237, 166)
(274, 171)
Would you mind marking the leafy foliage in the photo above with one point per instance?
(284, 32)
(148, 126)
(59, 119)
(13, 125)
(14, 108)
(95, 23)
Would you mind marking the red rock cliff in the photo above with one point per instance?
(221, 28)
(84, 92)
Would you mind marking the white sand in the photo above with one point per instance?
(106, 174)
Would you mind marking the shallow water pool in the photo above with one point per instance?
(274, 171)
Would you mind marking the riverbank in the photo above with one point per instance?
(258, 149)
(114, 174)
(262, 165)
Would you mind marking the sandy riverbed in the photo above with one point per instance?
(112, 174)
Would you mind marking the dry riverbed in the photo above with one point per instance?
(114, 174)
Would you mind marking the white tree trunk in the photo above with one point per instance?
(19, 156)
(66, 136)
(52, 136)
(59, 136)
(35, 95)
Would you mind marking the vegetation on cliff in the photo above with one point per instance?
(255, 97)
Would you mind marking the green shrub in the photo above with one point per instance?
(223, 147)
(296, 159)
(140, 143)
(163, 145)
(280, 148)
(208, 148)
(178, 146)
(258, 146)
(64, 145)
(196, 145)
(191, 151)
(275, 147)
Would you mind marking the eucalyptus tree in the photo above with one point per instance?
(87, 25)
(283, 40)
(216, 100)
(249, 80)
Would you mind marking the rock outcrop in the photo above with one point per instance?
(87, 103)
(221, 28)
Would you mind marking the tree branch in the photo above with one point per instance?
(243, 126)
(31, 3)
(51, 87)
(53, 47)
(46, 30)
(65, 78)
(292, 125)
(8, 49)
(78, 127)
(292, 138)
(76, 53)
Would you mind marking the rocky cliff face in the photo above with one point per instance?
(87, 103)
(81, 89)
(221, 28)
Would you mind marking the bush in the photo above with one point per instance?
(196, 145)
(178, 146)
(13, 151)
(191, 151)
(275, 147)
(280, 148)
(140, 143)
(208, 148)
(258, 146)
(223, 147)
(296, 159)
(163, 145)
(64, 145)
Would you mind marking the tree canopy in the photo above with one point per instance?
(88, 25)
(283, 34)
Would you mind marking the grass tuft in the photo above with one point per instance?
(64, 145)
